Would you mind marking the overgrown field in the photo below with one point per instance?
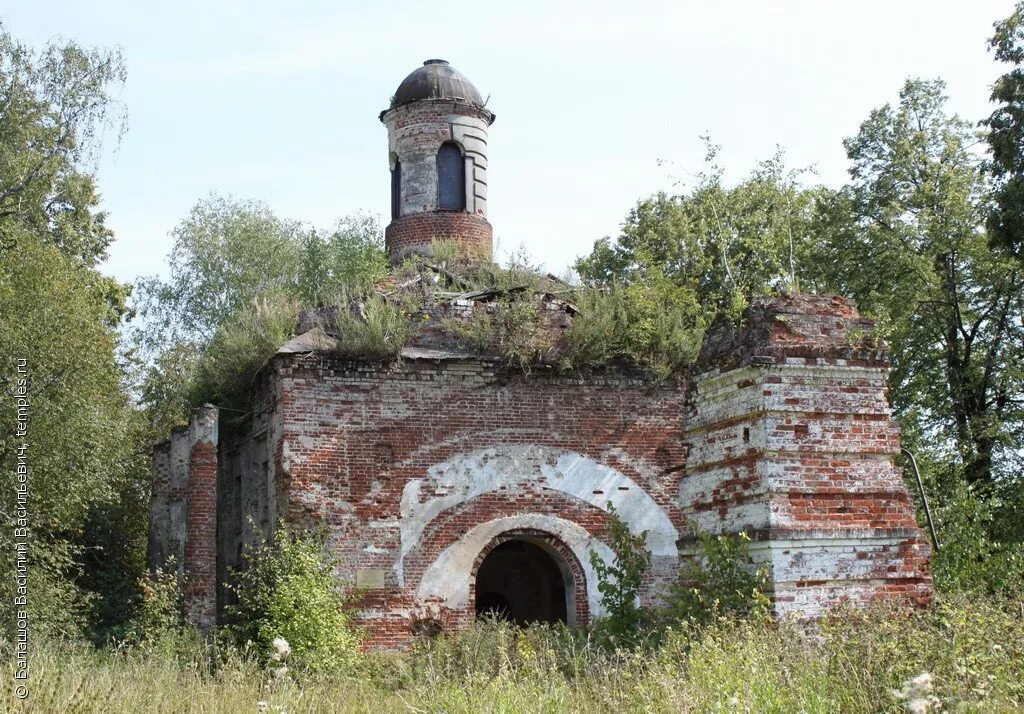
(972, 652)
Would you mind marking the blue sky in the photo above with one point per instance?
(278, 101)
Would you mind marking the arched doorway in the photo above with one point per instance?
(521, 581)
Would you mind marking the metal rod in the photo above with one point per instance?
(924, 498)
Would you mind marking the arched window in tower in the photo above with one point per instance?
(451, 178)
(396, 190)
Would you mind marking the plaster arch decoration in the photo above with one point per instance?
(512, 469)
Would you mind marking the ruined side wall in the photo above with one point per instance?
(166, 545)
(792, 440)
(183, 517)
(418, 469)
(169, 498)
(246, 509)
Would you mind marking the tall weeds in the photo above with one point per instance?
(852, 662)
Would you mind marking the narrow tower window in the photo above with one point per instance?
(451, 178)
(396, 190)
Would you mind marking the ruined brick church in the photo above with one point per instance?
(450, 485)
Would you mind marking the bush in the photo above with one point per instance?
(158, 628)
(56, 605)
(160, 609)
(718, 582)
(510, 328)
(290, 607)
(977, 553)
(619, 582)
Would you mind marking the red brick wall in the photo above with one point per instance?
(415, 233)
(357, 435)
(200, 588)
(418, 468)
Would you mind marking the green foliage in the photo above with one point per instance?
(714, 245)
(57, 103)
(60, 315)
(906, 240)
(114, 537)
(229, 253)
(510, 327)
(651, 326)
(160, 607)
(238, 277)
(58, 605)
(55, 314)
(371, 328)
(681, 260)
(619, 581)
(288, 590)
(243, 344)
(976, 554)
(226, 255)
(961, 642)
(349, 259)
(718, 582)
(1006, 135)
(165, 386)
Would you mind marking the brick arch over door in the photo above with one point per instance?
(449, 578)
(573, 576)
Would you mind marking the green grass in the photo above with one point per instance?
(973, 650)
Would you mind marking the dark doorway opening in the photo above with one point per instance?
(521, 582)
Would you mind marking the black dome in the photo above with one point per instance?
(436, 79)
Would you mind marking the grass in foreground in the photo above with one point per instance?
(973, 652)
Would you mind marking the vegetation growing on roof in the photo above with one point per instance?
(240, 347)
(371, 327)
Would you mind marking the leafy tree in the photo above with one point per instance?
(1006, 135)
(711, 248)
(238, 277)
(906, 239)
(54, 315)
(350, 259)
(59, 314)
(54, 105)
(226, 254)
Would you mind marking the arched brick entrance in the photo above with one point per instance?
(547, 570)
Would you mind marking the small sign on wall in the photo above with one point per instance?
(369, 578)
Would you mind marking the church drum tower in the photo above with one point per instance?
(437, 151)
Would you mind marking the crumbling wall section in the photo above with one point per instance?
(792, 440)
(183, 513)
(200, 587)
(246, 494)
